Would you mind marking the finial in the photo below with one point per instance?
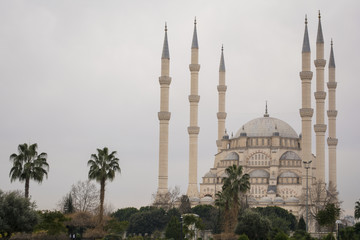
(165, 26)
(319, 14)
(275, 126)
(222, 47)
(232, 134)
(266, 110)
(331, 42)
(243, 128)
(306, 19)
(225, 131)
(195, 20)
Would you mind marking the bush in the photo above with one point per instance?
(281, 236)
(243, 237)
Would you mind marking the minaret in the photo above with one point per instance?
(306, 112)
(332, 113)
(221, 115)
(164, 117)
(193, 129)
(320, 95)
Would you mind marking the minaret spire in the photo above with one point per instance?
(266, 110)
(320, 95)
(164, 118)
(306, 112)
(221, 115)
(332, 141)
(193, 129)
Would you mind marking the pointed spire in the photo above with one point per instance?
(165, 52)
(266, 110)
(320, 38)
(306, 44)
(332, 60)
(222, 61)
(195, 40)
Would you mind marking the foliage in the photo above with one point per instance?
(124, 214)
(243, 237)
(12, 206)
(94, 233)
(68, 205)
(328, 216)
(349, 233)
(301, 224)
(281, 219)
(357, 228)
(80, 221)
(114, 226)
(208, 215)
(173, 229)
(103, 167)
(52, 222)
(85, 196)
(281, 236)
(330, 236)
(357, 210)
(191, 223)
(254, 225)
(27, 165)
(185, 206)
(236, 184)
(147, 221)
(301, 235)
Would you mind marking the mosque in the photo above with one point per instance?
(278, 159)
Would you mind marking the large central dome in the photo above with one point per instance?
(266, 127)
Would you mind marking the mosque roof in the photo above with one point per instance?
(288, 175)
(210, 175)
(266, 126)
(259, 173)
(290, 155)
(232, 156)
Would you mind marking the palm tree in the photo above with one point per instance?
(28, 164)
(102, 168)
(235, 184)
(357, 210)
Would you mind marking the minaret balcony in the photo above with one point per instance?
(306, 75)
(332, 113)
(194, 98)
(221, 115)
(331, 85)
(306, 112)
(194, 67)
(320, 128)
(321, 95)
(164, 115)
(332, 141)
(221, 88)
(320, 63)
(164, 80)
(193, 130)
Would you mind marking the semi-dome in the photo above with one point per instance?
(210, 175)
(206, 199)
(232, 156)
(265, 127)
(265, 200)
(259, 174)
(290, 155)
(278, 200)
(292, 200)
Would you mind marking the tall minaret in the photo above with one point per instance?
(221, 115)
(193, 129)
(306, 112)
(320, 95)
(164, 117)
(332, 113)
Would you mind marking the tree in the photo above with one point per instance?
(78, 222)
(148, 221)
(208, 215)
(301, 224)
(68, 206)
(357, 210)
(167, 200)
(12, 206)
(103, 167)
(327, 217)
(124, 214)
(85, 196)
(173, 229)
(185, 206)
(236, 184)
(255, 226)
(191, 223)
(281, 219)
(27, 165)
(52, 222)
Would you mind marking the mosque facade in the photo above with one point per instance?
(279, 160)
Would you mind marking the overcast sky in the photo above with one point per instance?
(81, 75)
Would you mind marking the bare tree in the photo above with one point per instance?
(85, 197)
(167, 201)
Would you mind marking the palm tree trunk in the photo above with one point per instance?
(102, 196)
(27, 186)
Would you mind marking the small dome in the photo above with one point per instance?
(290, 155)
(207, 199)
(292, 200)
(224, 175)
(278, 200)
(259, 173)
(265, 200)
(266, 126)
(210, 175)
(288, 175)
(232, 156)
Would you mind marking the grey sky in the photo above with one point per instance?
(81, 75)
